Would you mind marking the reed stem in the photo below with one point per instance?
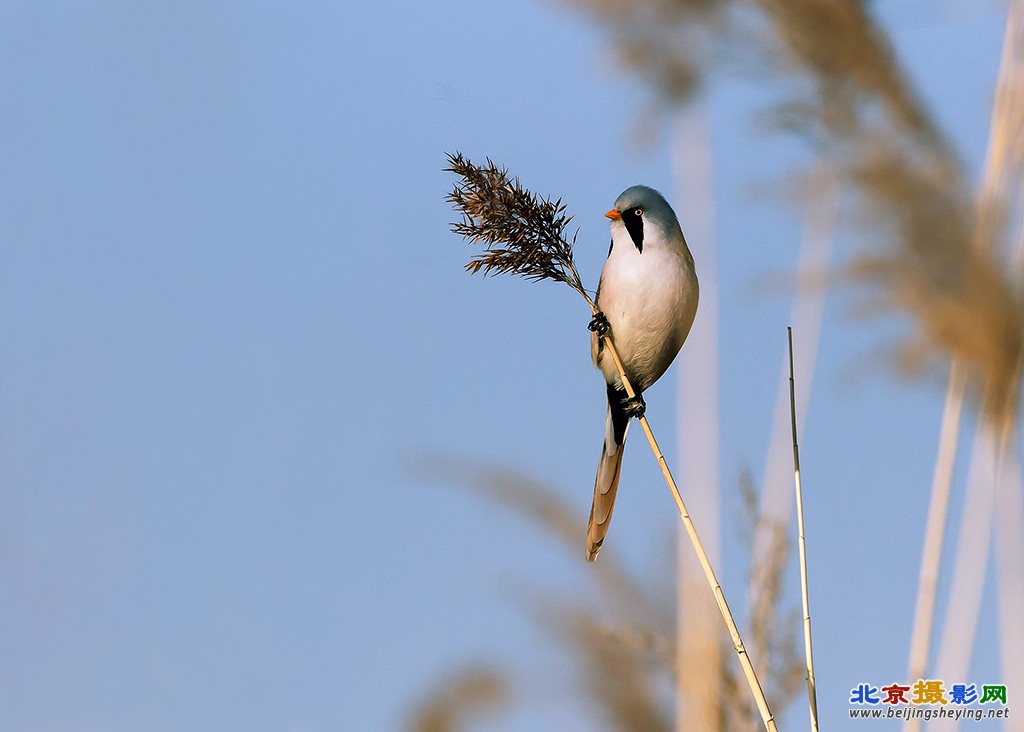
(812, 694)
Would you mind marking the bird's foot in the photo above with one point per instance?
(635, 407)
(599, 324)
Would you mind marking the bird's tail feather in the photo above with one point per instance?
(607, 481)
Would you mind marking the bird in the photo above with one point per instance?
(647, 297)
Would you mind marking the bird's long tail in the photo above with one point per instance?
(607, 482)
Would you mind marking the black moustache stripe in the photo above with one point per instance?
(635, 226)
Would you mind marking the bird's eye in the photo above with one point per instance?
(639, 212)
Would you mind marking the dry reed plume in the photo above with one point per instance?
(523, 233)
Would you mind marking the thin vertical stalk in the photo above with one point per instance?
(1008, 114)
(938, 510)
(776, 507)
(970, 565)
(700, 687)
(812, 694)
(1009, 564)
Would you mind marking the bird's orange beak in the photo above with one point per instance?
(614, 215)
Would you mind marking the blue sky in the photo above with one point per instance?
(231, 310)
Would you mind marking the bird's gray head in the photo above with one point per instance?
(638, 206)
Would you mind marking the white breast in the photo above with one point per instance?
(650, 300)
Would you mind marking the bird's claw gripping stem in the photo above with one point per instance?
(635, 407)
(599, 324)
